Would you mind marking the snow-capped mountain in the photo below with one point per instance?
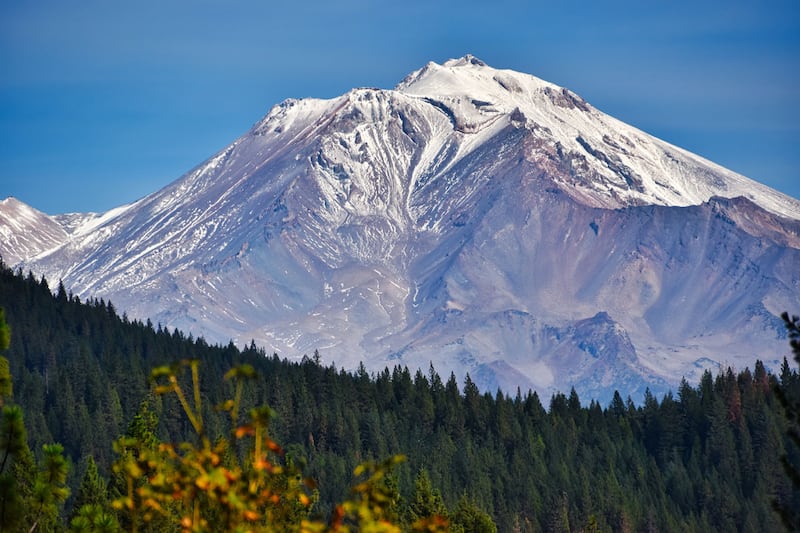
(483, 220)
(26, 232)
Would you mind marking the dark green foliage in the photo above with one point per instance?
(5, 373)
(49, 490)
(704, 459)
(13, 446)
(788, 393)
(94, 518)
(91, 492)
(469, 518)
(558, 514)
(30, 496)
(426, 501)
(5, 331)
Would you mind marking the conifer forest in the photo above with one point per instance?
(417, 450)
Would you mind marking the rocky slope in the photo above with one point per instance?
(483, 220)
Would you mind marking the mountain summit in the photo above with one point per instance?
(481, 220)
(614, 164)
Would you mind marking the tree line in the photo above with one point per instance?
(708, 457)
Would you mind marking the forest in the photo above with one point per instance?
(712, 456)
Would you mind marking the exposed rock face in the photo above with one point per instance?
(483, 220)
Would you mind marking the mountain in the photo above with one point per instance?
(482, 220)
(26, 232)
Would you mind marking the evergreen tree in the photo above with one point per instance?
(5, 333)
(13, 444)
(94, 518)
(789, 397)
(49, 490)
(29, 497)
(467, 517)
(558, 516)
(92, 490)
(426, 500)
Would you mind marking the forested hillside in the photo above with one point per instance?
(706, 458)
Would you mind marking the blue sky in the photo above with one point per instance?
(103, 102)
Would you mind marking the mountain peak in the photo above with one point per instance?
(470, 76)
(468, 59)
(26, 232)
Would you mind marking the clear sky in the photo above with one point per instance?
(103, 102)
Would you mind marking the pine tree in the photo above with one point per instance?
(788, 397)
(29, 497)
(5, 372)
(94, 518)
(13, 443)
(469, 518)
(426, 501)
(49, 490)
(92, 490)
(5, 331)
(558, 518)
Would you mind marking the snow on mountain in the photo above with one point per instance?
(480, 219)
(26, 232)
(624, 165)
